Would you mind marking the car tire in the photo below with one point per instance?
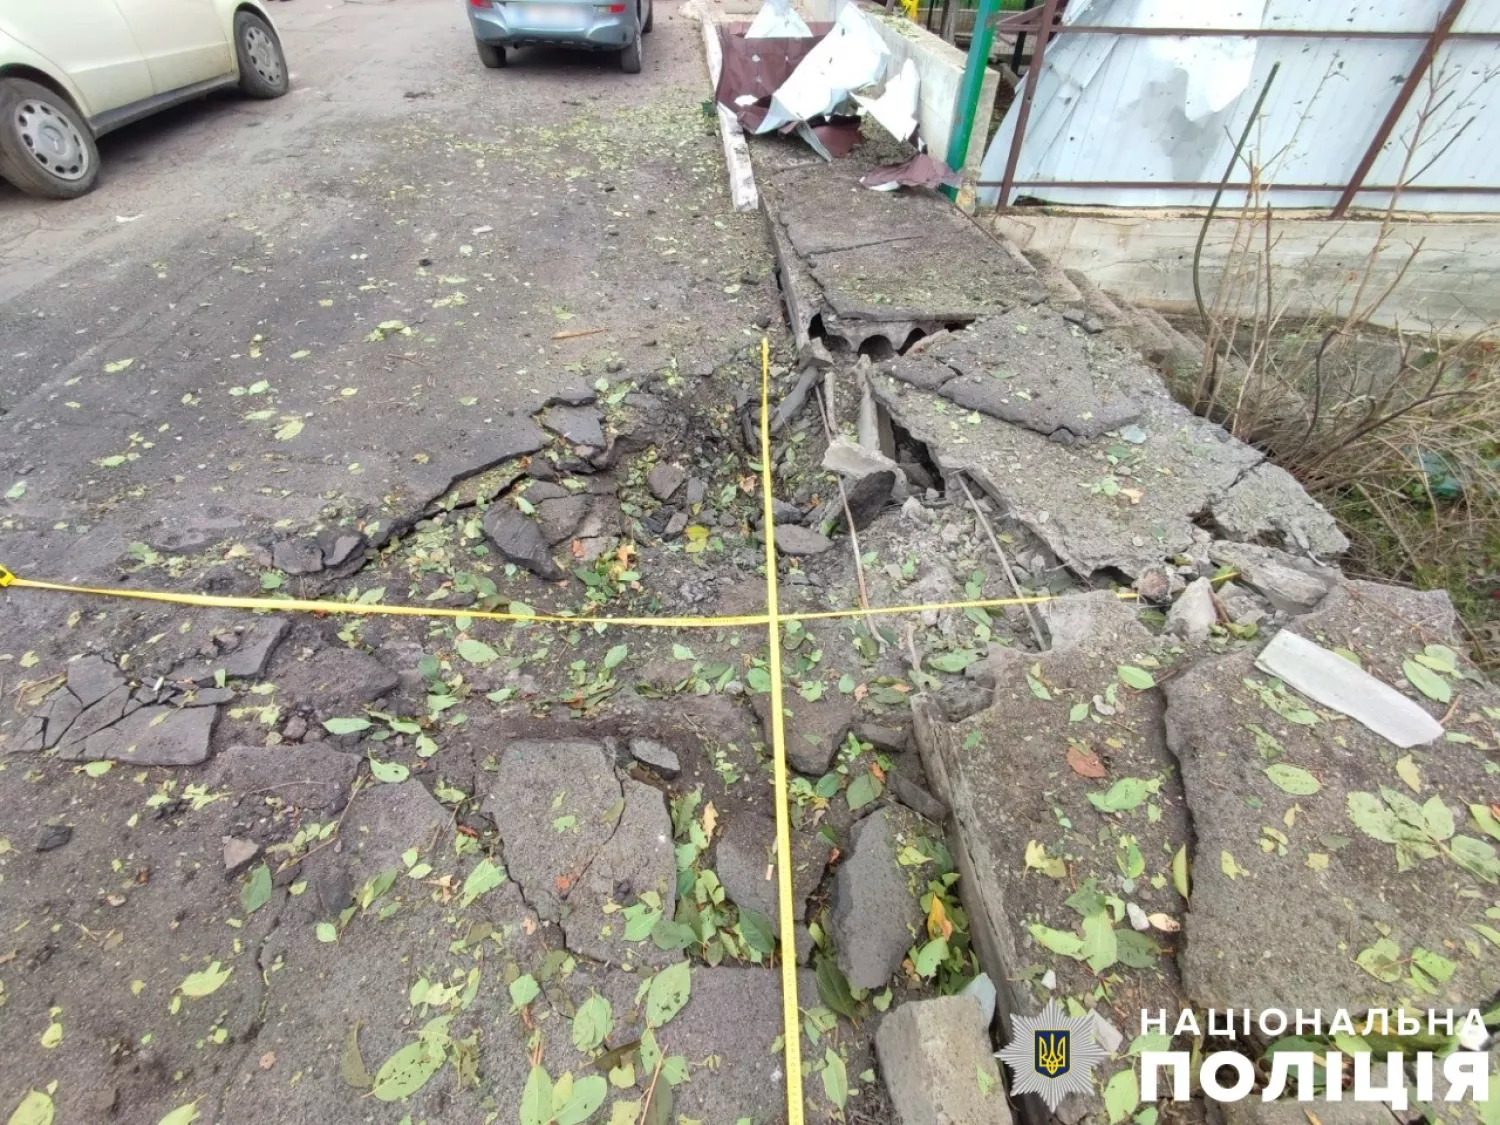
(490, 54)
(263, 71)
(46, 147)
(650, 15)
(630, 57)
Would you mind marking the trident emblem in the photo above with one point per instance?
(1052, 1052)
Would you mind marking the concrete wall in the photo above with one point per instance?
(1453, 285)
(941, 67)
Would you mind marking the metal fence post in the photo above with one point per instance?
(1033, 76)
(1398, 107)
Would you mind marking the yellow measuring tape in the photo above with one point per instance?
(791, 1021)
(772, 620)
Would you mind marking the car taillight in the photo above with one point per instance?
(614, 9)
(479, 3)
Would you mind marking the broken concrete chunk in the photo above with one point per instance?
(297, 556)
(151, 736)
(1331, 680)
(1267, 504)
(869, 496)
(797, 541)
(1028, 368)
(875, 913)
(914, 797)
(53, 836)
(665, 479)
(247, 662)
(656, 757)
(1193, 613)
(91, 678)
(343, 549)
(814, 730)
(578, 395)
(304, 777)
(843, 456)
(238, 855)
(335, 680)
(930, 1052)
(578, 425)
(1288, 587)
(520, 541)
(676, 525)
(890, 740)
(560, 518)
(101, 715)
(577, 840)
(745, 863)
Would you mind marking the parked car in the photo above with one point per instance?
(499, 24)
(72, 70)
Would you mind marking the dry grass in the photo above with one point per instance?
(1396, 432)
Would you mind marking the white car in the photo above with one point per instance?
(72, 70)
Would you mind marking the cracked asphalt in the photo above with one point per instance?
(311, 317)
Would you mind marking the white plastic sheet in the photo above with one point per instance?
(850, 57)
(777, 19)
(896, 109)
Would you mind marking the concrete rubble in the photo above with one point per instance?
(930, 1052)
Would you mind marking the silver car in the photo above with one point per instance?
(616, 26)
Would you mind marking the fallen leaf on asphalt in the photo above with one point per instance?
(1085, 763)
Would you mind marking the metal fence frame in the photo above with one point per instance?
(1040, 23)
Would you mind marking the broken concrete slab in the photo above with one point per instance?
(882, 268)
(1299, 895)
(246, 662)
(746, 856)
(930, 1052)
(1090, 514)
(1268, 505)
(578, 425)
(334, 680)
(1291, 585)
(1029, 368)
(655, 756)
(91, 678)
(869, 497)
(560, 518)
(1193, 614)
(577, 840)
(875, 915)
(887, 739)
(308, 777)
(665, 479)
(914, 797)
(814, 729)
(151, 736)
(1049, 814)
(853, 460)
(520, 541)
(1337, 682)
(297, 556)
(238, 855)
(799, 542)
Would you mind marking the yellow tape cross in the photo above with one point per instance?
(772, 620)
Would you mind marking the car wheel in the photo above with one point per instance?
(262, 65)
(491, 55)
(46, 148)
(650, 15)
(630, 57)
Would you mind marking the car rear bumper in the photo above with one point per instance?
(519, 23)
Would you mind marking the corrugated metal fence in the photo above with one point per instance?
(1139, 103)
